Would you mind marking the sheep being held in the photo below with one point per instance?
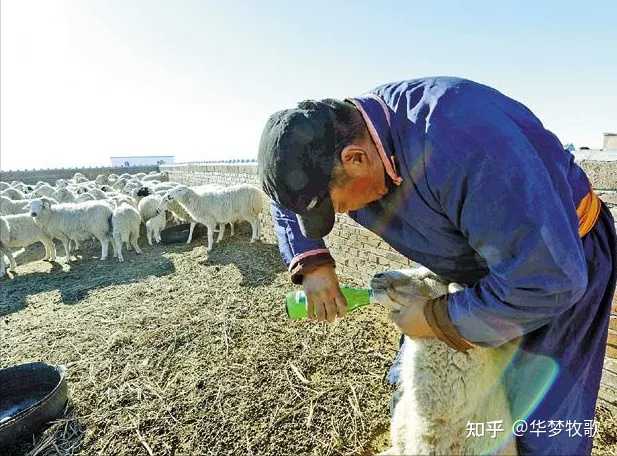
(442, 390)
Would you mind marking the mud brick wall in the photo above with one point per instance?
(360, 253)
(32, 176)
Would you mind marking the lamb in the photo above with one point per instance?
(443, 390)
(154, 226)
(148, 206)
(126, 222)
(101, 179)
(20, 231)
(78, 221)
(225, 205)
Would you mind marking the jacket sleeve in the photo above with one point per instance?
(521, 221)
(300, 254)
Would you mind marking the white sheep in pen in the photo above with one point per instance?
(225, 205)
(443, 390)
(125, 223)
(154, 226)
(77, 221)
(13, 194)
(64, 195)
(9, 206)
(20, 231)
(148, 206)
(180, 213)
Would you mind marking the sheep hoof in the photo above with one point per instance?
(138, 251)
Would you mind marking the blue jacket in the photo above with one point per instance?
(488, 198)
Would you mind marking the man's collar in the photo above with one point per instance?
(377, 118)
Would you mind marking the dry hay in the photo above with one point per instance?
(171, 353)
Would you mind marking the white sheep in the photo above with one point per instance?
(20, 231)
(442, 390)
(101, 179)
(225, 205)
(78, 221)
(13, 194)
(9, 206)
(155, 177)
(125, 223)
(64, 195)
(44, 191)
(148, 206)
(154, 226)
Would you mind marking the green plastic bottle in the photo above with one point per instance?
(297, 305)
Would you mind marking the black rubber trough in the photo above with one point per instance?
(31, 395)
(175, 234)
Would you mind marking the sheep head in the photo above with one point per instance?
(38, 206)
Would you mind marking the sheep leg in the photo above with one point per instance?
(232, 228)
(118, 248)
(104, 247)
(210, 237)
(188, 241)
(66, 243)
(253, 231)
(50, 250)
(9, 255)
(221, 232)
(134, 238)
(2, 267)
(149, 235)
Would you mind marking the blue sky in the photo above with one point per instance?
(82, 80)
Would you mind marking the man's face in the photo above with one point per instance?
(365, 180)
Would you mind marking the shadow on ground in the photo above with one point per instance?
(259, 263)
(75, 280)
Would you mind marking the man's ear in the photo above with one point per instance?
(353, 155)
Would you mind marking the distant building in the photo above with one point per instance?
(141, 160)
(607, 153)
(610, 141)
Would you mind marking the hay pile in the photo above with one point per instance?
(171, 353)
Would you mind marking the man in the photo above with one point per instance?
(467, 182)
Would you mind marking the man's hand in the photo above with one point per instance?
(325, 300)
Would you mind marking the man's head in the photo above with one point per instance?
(318, 159)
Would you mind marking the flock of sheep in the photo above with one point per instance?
(112, 209)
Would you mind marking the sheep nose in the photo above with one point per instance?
(33, 214)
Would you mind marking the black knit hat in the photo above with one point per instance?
(295, 162)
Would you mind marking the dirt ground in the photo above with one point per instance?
(176, 352)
